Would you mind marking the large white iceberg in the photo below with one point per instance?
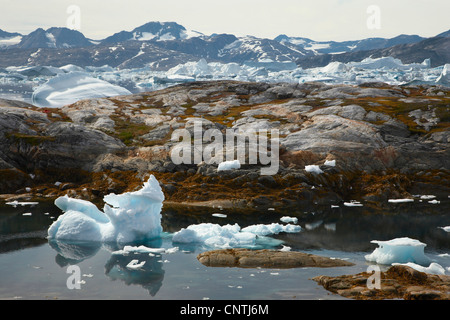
(70, 87)
(128, 217)
(399, 250)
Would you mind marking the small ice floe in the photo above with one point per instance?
(334, 206)
(427, 197)
(446, 229)
(27, 214)
(135, 264)
(285, 248)
(313, 169)
(399, 250)
(353, 203)
(330, 163)
(433, 268)
(143, 249)
(16, 203)
(229, 165)
(287, 219)
(434, 201)
(219, 215)
(400, 200)
(270, 209)
(172, 250)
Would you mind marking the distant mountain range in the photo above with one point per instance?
(162, 45)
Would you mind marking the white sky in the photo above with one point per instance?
(315, 19)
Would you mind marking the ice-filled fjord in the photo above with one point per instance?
(58, 86)
(128, 217)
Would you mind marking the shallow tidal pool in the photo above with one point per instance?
(33, 268)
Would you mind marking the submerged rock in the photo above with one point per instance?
(246, 258)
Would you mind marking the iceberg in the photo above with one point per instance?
(433, 268)
(70, 87)
(444, 77)
(400, 200)
(128, 217)
(229, 236)
(399, 250)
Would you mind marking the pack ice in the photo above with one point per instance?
(128, 217)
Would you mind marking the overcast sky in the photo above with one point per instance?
(315, 19)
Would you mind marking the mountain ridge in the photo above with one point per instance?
(148, 44)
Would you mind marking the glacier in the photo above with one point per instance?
(128, 217)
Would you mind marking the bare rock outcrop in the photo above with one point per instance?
(246, 258)
(398, 282)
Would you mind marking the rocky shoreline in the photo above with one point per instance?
(387, 142)
(398, 282)
(384, 142)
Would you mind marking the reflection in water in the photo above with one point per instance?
(340, 229)
(73, 253)
(150, 276)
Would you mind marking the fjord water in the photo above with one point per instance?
(32, 267)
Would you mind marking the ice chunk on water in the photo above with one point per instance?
(125, 218)
(229, 165)
(135, 264)
(287, 219)
(399, 250)
(228, 236)
(400, 200)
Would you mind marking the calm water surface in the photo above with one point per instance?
(31, 267)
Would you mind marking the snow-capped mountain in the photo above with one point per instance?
(437, 49)
(153, 31)
(162, 45)
(54, 38)
(333, 47)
